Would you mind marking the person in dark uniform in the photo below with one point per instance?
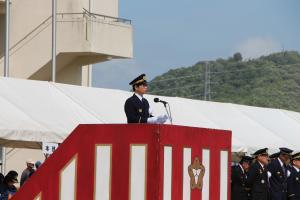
(293, 182)
(8, 188)
(137, 108)
(274, 156)
(238, 179)
(257, 179)
(279, 175)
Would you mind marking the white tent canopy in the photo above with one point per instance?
(36, 111)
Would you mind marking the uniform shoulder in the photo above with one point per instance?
(292, 170)
(130, 99)
(234, 167)
(255, 165)
(274, 163)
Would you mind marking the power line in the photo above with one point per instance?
(170, 79)
(246, 70)
(218, 72)
(174, 88)
(207, 80)
(233, 71)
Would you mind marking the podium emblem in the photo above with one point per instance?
(196, 172)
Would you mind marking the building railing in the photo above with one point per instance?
(116, 19)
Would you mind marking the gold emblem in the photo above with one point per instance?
(278, 173)
(262, 181)
(140, 110)
(196, 172)
(297, 178)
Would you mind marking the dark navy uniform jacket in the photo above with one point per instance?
(238, 183)
(278, 180)
(136, 111)
(293, 184)
(257, 180)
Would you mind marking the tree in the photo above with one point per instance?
(237, 57)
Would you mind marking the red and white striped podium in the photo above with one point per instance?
(134, 162)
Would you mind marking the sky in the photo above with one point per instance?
(179, 33)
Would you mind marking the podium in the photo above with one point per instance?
(135, 162)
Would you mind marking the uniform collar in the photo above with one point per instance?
(281, 163)
(242, 168)
(296, 169)
(262, 166)
(139, 96)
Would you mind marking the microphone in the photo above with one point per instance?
(168, 109)
(156, 100)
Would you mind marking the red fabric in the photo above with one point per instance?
(82, 144)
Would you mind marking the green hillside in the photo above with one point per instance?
(269, 81)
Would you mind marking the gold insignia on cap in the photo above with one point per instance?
(141, 80)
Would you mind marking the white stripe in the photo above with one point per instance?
(67, 181)
(103, 172)
(138, 173)
(206, 163)
(167, 191)
(187, 154)
(224, 175)
(38, 197)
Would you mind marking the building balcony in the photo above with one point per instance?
(82, 39)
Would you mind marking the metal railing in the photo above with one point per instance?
(116, 19)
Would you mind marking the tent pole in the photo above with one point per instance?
(3, 160)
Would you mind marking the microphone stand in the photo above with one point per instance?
(168, 110)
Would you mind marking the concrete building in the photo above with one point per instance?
(88, 32)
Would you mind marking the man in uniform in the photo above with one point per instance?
(137, 107)
(274, 156)
(279, 175)
(293, 182)
(238, 179)
(257, 179)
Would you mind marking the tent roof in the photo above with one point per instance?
(37, 111)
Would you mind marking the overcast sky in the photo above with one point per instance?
(177, 33)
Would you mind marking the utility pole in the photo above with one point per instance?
(207, 92)
(7, 27)
(53, 40)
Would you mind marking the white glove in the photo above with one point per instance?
(157, 120)
(162, 119)
(152, 120)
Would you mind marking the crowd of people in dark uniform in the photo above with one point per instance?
(8, 182)
(264, 177)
